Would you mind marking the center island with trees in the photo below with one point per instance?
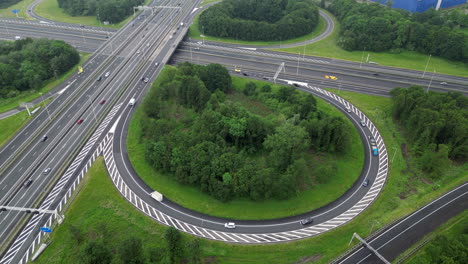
(195, 132)
(264, 20)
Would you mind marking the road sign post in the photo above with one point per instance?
(15, 11)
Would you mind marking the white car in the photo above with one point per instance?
(46, 171)
(230, 225)
(107, 74)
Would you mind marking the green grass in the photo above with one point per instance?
(6, 12)
(453, 227)
(195, 32)
(205, 2)
(50, 10)
(349, 167)
(99, 202)
(406, 59)
(10, 103)
(10, 125)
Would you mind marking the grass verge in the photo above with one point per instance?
(405, 59)
(10, 103)
(348, 166)
(22, 5)
(195, 32)
(99, 202)
(10, 125)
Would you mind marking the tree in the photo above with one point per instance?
(95, 252)
(216, 76)
(250, 89)
(173, 239)
(194, 251)
(131, 251)
(285, 144)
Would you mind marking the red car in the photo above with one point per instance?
(80, 121)
(102, 102)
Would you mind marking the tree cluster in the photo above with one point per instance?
(113, 11)
(435, 123)
(7, 3)
(25, 64)
(445, 249)
(260, 19)
(98, 247)
(191, 131)
(376, 28)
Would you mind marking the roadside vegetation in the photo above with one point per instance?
(377, 28)
(333, 162)
(10, 125)
(50, 9)
(99, 204)
(28, 95)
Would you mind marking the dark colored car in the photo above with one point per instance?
(99, 78)
(27, 183)
(245, 74)
(365, 183)
(44, 138)
(102, 102)
(145, 79)
(79, 121)
(307, 221)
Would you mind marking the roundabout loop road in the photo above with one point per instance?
(331, 216)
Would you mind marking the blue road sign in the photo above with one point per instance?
(15, 11)
(46, 229)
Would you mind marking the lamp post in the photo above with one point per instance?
(47, 109)
(426, 66)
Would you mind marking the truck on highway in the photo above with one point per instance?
(157, 196)
(132, 102)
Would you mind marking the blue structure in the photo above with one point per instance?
(422, 5)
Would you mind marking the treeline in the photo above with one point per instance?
(445, 249)
(377, 28)
(99, 246)
(25, 64)
(191, 131)
(260, 20)
(113, 11)
(435, 123)
(8, 3)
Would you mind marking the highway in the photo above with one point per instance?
(394, 240)
(129, 56)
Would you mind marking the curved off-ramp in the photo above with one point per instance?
(337, 213)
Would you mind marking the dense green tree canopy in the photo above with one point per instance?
(260, 19)
(113, 11)
(436, 124)
(203, 139)
(376, 28)
(25, 64)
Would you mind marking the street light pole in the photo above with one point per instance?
(297, 69)
(47, 109)
(92, 108)
(429, 86)
(426, 66)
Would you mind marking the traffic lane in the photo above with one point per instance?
(313, 73)
(349, 74)
(403, 227)
(66, 31)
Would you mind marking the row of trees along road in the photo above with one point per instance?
(25, 64)
(260, 19)
(192, 132)
(375, 27)
(7, 3)
(436, 125)
(113, 11)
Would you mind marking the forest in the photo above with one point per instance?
(113, 11)
(436, 125)
(25, 64)
(8, 3)
(375, 27)
(260, 20)
(195, 134)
